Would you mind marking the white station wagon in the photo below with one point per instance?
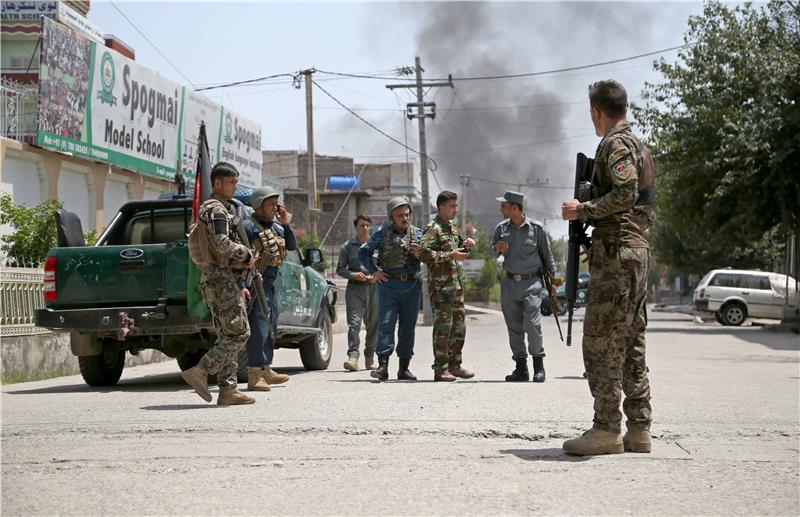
(733, 295)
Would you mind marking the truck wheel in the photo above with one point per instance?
(545, 309)
(718, 318)
(316, 351)
(733, 314)
(104, 369)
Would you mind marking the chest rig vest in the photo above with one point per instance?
(395, 252)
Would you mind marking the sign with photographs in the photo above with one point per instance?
(98, 104)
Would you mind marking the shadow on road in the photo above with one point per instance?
(150, 383)
(550, 454)
(755, 335)
(179, 407)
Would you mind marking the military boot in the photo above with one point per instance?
(595, 441)
(403, 373)
(461, 373)
(369, 362)
(520, 373)
(443, 375)
(538, 369)
(255, 380)
(351, 365)
(637, 439)
(382, 372)
(233, 397)
(197, 378)
(273, 377)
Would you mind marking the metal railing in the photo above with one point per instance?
(21, 293)
(18, 109)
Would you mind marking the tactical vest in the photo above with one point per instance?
(270, 247)
(395, 252)
(644, 166)
(200, 249)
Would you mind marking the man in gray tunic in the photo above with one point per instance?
(361, 297)
(523, 244)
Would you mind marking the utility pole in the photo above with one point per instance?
(421, 114)
(313, 209)
(464, 190)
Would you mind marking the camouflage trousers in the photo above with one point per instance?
(613, 335)
(224, 300)
(449, 328)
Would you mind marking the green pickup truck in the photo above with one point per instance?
(128, 293)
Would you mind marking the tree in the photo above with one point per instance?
(34, 230)
(724, 130)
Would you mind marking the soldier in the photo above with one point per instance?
(442, 248)
(525, 248)
(619, 203)
(397, 244)
(361, 297)
(223, 290)
(271, 240)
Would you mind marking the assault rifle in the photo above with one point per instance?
(577, 238)
(555, 305)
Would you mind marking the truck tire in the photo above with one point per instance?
(104, 369)
(718, 318)
(545, 309)
(316, 350)
(733, 314)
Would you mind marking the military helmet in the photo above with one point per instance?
(260, 194)
(396, 202)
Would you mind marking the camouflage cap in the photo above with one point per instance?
(396, 202)
(260, 194)
(512, 197)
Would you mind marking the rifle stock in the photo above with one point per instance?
(577, 238)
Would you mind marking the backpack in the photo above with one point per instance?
(199, 247)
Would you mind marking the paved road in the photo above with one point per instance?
(726, 437)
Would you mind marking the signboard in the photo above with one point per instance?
(72, 18)
(98, 104)
(27, 11)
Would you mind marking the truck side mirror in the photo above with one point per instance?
(313, 257)
(69, 229)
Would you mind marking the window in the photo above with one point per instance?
(168, 228)
(755, 282)
(726, 280)
(328, 206)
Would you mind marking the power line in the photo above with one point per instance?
(151, 43)
(367, 122)
(247, 81)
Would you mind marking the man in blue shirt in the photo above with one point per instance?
(526, 255)
(271, 240)
(399, 288)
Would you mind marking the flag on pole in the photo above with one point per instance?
(202, 191)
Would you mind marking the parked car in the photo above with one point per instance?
(128, 292)
(733, 295)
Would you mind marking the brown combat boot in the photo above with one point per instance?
(443, 376)
(637, 439)
(369, 362)
(351, 365)
(197, 378)
(233, 397)
(255, 380)
(461, 373)
(272, 377)
(595, 441)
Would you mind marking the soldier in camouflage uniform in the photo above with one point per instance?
(619, 204)
(399, 289)
(223, 290)
(442, 248)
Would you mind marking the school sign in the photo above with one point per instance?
(98, 104)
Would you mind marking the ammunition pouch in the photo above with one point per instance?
(270, 249)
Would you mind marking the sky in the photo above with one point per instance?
(502, 133)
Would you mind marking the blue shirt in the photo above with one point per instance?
(375, 242)
(527, 246)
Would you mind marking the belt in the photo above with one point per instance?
(403, 276)
(520, 277)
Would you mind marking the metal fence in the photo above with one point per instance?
(18, 107)
(21, 293)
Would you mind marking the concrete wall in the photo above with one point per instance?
(50, 353)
